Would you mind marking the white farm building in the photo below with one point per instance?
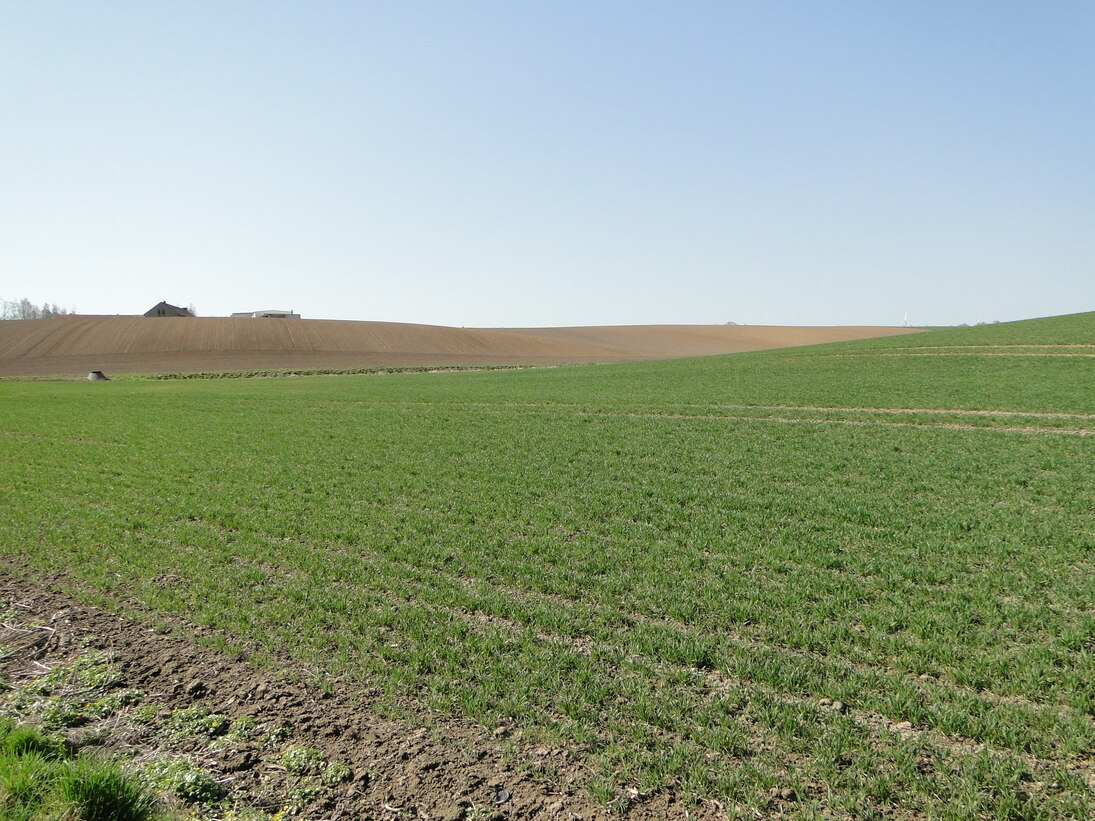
(266, 315)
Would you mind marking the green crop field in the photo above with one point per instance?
(859, 577)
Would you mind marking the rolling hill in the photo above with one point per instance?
(128, 344)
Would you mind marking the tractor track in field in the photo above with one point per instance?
(669, 414)
(413, 589)
(716, 683)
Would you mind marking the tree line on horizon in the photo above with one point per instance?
(25, 309)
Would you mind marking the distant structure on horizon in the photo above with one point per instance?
(266, 315)
(164, 309)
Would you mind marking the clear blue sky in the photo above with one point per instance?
(552, 163)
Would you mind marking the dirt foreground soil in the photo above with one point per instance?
(421, 766)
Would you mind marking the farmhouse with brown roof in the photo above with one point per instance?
(163, 309)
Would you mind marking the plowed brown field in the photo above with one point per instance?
(128, 344)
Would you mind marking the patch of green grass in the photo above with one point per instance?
(102, 792)
(677, 567)
(40, 779)
(20, 740)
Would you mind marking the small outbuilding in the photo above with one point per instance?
(270, 314)
(164, 309)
